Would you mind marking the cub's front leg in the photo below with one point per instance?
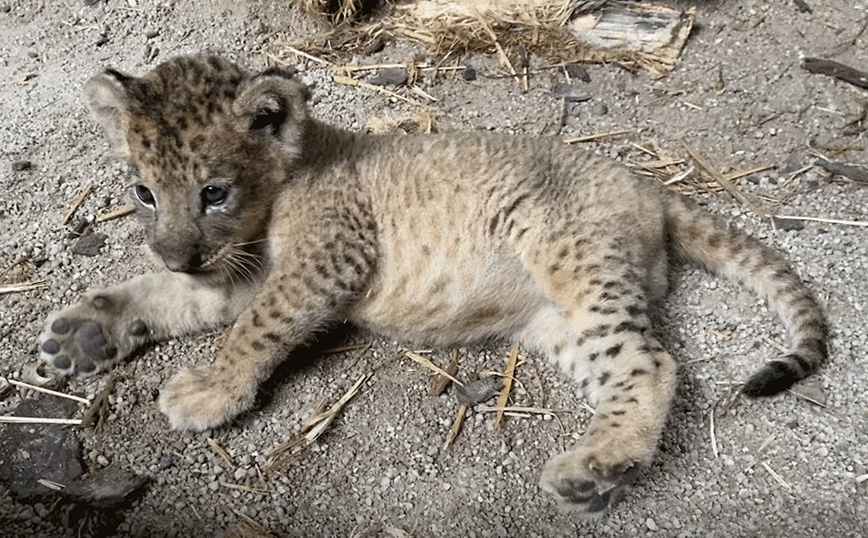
(108, 324)
(324, 264)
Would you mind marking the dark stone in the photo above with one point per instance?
(577, 71)
(106, 488)
(89, 245)
(788, 224)
(21, 166)
(30, 452)
(570, 93)
(392, 76)
(468, 73)
(599, 108)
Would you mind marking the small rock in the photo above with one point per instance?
(240, 473)
(102, 460)
(577, 71)
(106, 488)
(89, 245)
(570, 93)
(468, 73)
(392, 76)
(152, 34)
(478, 391)
(599, 108)
(788, 224)
(21, 166)
(652, 525)
(5, 8)
(166, 462)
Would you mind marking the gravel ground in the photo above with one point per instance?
(782, 467)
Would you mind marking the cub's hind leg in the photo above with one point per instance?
(598, 331)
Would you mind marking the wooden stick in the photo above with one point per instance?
(349, 81)
(215, 446)
(703, 162)
(456, 426)
(25, 286)
(116, 213)
(39, 420)
(597, 136)
(838, 70)
(45, 391)
(431, 366)
(441, 382)
(827, 221)
(76, 203)
(758, 169)
(507, 385)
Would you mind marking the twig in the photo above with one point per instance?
(507, 385)
(806, 398)
(775, 475)
(856, 173)
(713, 436)
(39, 420)
(45, 391)
(493, 36)
(76, 203)
(519, 409)
(827, 221)
(99, 402)
(51, 484)
(301, 53)
(349, 81)
(745, 173)
(838, 70)
(456, 426)
(116, 213)
(441, 382)
(598, 136)
(241, 487)
(341, 349)
(215, 446)
(703, 163)
(24, 286)
(431, 366)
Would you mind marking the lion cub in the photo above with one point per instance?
(278, 224)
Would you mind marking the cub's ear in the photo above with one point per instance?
(274, 104)
(108, 101)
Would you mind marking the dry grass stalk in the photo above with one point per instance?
(714, 449)
(76, 203)
(507, 385)
(441, 382)
(22, 287)
(349, 81)
(598, 136)
(116, 213)
(456, 426)
(249, 528)
(431, 366)
(100, 405)
(423, 121)
(715, 174)
(342, 349)
(775, 475)
(313, 427)
(44, 390)
(827, 221)
(222, 454)
(40, 420)
(50, 484)
(806, 397)
(242, 487)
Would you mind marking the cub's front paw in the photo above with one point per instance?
(197, 399)
(587, 482)
(90, 336)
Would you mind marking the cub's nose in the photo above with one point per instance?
(192, 264)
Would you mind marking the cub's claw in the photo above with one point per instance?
(579, 482)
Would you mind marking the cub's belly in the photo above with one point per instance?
(449, 304)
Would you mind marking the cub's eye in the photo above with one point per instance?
(214, 196)
(145, 196)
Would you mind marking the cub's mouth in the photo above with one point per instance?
(232, 261)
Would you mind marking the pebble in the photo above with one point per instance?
(468, 73)
(652, 525)
(570, 93)
(89, 245)
(392, 76)
(240, 473)
(599, 108)
(20, 166)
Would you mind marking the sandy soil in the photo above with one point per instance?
(780, 467)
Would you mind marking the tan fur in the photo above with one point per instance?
(281, 224)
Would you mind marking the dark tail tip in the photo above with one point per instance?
(774, 377)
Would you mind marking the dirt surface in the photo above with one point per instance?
(780, 467)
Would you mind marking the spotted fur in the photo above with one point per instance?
(280, 224)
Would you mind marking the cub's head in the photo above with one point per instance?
(209, 145)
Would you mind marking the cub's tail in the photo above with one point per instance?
(705, 238)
